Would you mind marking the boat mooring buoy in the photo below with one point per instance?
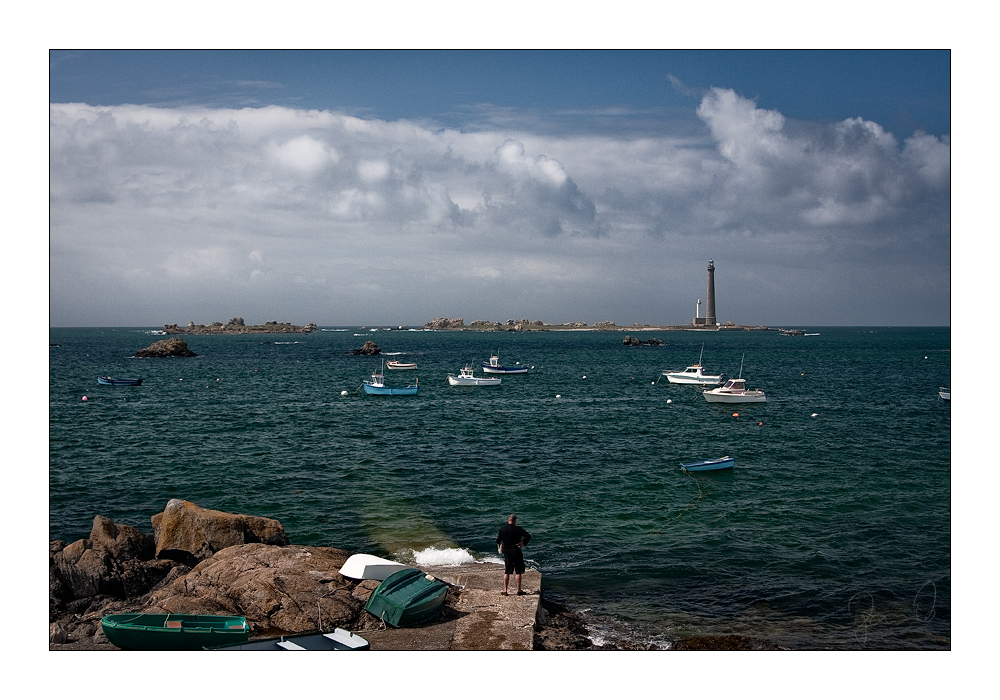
(344, 392)
(558, 396)
(736, 415)
(670, 400)
(814, 415)
(84, 398)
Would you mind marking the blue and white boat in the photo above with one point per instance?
(494, 367)
(709, 465)
(376, 386)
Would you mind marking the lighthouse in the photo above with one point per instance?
(709, 318)
(710, 304)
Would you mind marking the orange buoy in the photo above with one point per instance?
(736, 415)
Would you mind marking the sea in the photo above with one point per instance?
(832, 532)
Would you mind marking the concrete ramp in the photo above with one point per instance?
(484, 619)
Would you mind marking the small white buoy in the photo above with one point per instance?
(558, 396)
(84, 398)
(814, 415)
(670, 400)
(344, 392)
(585, 376)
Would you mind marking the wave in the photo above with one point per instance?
(453, 556)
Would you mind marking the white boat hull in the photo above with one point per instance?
(684, 378)
(744, 397)
(473, 381)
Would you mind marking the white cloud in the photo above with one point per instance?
(208, 195)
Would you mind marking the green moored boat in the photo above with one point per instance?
(407, 598)
(173, 632)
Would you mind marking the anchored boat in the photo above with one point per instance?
(376, 385)
(494, 367)
(112, 381)
(709, 465)
(173, 632)
(694, 374)
(734, 391)
(467, 378)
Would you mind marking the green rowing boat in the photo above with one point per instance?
(173, 632)
(407, 598)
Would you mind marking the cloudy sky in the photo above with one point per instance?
(392, 187)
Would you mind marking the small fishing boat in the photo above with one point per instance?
(709, 465)
(945, 393)
(370, 567)
(734, 391)
(694, 374)
(338, 640)
(112, 381)
(376, 386)
(173, 632)
(467, 378)
(407, 598)
(396, 364)
(494, 367)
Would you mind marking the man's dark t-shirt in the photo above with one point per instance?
(510, 535)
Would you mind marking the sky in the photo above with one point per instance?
(393, 187)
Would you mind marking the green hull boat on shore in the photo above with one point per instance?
(172, 632)
(407, 598)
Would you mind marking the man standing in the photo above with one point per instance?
(513, 537)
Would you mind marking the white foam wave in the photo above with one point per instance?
(432, 556)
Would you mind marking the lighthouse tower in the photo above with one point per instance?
(709, 318)
(710, 305)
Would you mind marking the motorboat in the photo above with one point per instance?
(734, 391)
(376, 386)
(112, 381)
(945, 393)
(494, 367)
(709, 465)
(396, 364)
(467, 378)
(694, 374)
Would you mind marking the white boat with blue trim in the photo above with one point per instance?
(494, 367)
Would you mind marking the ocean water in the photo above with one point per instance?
(832, 532)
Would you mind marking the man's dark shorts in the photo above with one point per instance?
(513, 562)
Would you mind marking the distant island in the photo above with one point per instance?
(236, 326)
(459, 324)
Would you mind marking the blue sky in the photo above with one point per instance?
(391, 187)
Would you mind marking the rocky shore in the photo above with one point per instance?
(201, 561)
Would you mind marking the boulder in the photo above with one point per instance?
(369, 348)
(116, 561)
(171, 347)
(189, 533)
(280, 590)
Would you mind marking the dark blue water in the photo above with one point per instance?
(833, 531)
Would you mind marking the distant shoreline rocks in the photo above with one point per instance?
(236, 326)
(171, 347)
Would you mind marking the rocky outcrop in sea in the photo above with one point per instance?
(369, 348)
(171, 347)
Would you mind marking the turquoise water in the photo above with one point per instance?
(832, 532)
